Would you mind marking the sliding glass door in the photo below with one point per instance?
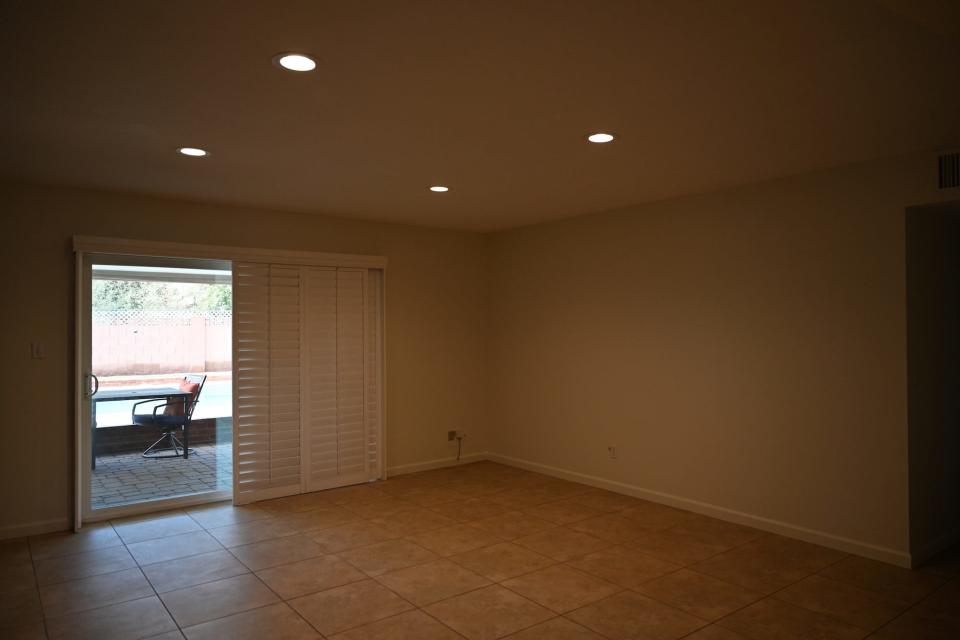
(155, 372)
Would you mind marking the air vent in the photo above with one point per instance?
(950, 171)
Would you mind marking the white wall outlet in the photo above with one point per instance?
(37, 350)
(612, 452)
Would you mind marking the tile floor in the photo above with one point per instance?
(129, 478)
(480, 551)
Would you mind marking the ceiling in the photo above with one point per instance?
(493, 98)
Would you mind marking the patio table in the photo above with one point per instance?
(135, 393)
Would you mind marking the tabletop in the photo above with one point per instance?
(139, 393)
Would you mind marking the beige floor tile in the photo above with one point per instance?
(26, 631)
(141, 618)
(698, 595)
(555, 489)
(220, 514)
(349, 606)
(561, 588)
(173, 548)
(164, 525)
(62, 598)
(233, 535)
(607, 501)
(16, 575)
(629, 615)
(448, 541)
(380, 507)
(772, 618)
(718, 532)
(511, 525)
(90, 537)
(411, 521)
(14, 550)
(212, 600)
(564, 512)
(656, 515)
(309, 576)
(169, 635)
(275, 621)
(470, 510)
(561, 543)
(198, 569)
(354, 494)
(488, 613)
(412, 624)
(323, 517)
(435, 496)
(768, 564)
(845, 602)
(676, 547)
(350, 535)
(386, 556)
(295, 503)
(519, 499)
(20, 608)
(714, 632)
(428, 583)
(623, 566)
(402, 485)
(82, 565)
(269, 553)
(556, 629)
(887, 580)
(934, 618)
(502, 561)
(613, 528)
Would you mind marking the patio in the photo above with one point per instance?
(128, 478)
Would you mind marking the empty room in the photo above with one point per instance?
(540, 320)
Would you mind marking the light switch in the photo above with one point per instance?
(37, 350)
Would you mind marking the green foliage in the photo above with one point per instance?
(129, 295)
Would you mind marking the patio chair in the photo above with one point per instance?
(176, 416)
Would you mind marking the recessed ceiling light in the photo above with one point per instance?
(439, 188)
(600, 138)
(295, 61)
(193, 152)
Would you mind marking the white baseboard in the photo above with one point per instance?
(857, 547)
(439, 463)
(34, 528)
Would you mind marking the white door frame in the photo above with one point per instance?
(84, 246)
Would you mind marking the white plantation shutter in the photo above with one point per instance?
(373, 369)
(266, 381)
(307, 378)
(321, 426)
(351, 381)
(284, 375)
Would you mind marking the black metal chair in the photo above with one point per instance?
(177, 415)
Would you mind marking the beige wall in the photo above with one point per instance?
(436, 288)
(744, 349)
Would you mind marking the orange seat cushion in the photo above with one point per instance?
(176, 409)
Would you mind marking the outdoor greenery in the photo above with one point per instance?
(131, 295)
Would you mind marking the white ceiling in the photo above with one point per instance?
(490, 97)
